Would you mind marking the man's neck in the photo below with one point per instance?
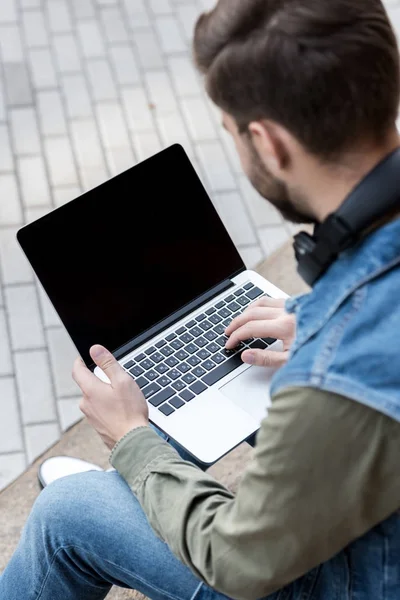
(331, 186)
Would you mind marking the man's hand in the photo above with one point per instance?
(264, 318)
(113, 410)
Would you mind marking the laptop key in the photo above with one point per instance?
(224, 313)
(259, 345)
(136, 371)
(181, 355)
(203, 354)
(234, 306)
(254, 293)
(183, 368)
(181, 330)
(248, 286)
(140, 357)
(150, 390)
(187, 395)
(167, 351)
(269, 341)
(150, 350)
(218, 359)
(194, 361)
(243, 301)
(198, 371)
(188, 378)
(210, 336)
(215, 319)
(220, 304)
(163, 381)
(147, 364)
(196, 331)
(179, 385)
(191, 348)
(170, 337)
(220, 329)
(200, 317)
(186, 338)
(213, 348)
(162, 396)
(157, 357)
(161, 344)
(211, 311)
(129, 364)
(206, 325)
(191, 324)
(230, 298)
(166, 409)
(162, 368)
(141, 382)
(239, 292)
(177, 402)
(152, 375)
(222, 341)
(201, 342)
(174, 374)
(227, 322)
(224, 369)
(198, 387)
(172, 362)
(177, 344)
(208, 364)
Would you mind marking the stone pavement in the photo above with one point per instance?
(87, 89)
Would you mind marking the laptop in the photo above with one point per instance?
(143, 265)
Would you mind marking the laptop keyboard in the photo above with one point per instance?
(191, 359)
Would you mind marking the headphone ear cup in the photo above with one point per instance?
(304, 244)
(305, 247)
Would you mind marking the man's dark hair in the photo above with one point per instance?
(326, 70)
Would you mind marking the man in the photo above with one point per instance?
(309, 90)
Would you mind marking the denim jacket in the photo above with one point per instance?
(348, 342)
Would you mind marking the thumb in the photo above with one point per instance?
(265, 358)
(106, 361)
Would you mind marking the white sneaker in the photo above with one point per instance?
(61, 466)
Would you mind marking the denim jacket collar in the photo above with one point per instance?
(377, 253)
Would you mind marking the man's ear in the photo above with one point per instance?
(270, 143)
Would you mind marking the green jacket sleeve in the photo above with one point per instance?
(325, 471)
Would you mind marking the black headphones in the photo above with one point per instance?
(375, 196)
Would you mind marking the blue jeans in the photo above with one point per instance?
(88, 532)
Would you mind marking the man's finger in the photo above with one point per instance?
(255, 329)
(83, 377)
(270, 302)
(265, 358)
(253, 314)
(106, 361)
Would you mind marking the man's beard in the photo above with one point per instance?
(274, 191)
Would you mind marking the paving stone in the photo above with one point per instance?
(170, 35)
(124, 64)
(137, 109)
(10, 211)
(33, 181)
(62, 354)
(59, 16)
(146, 144)
(65, 194)
(50, 317)
(6, 366)
(232, 212)
(198, 119)
(17, 84)
(251, 256)
(188, 15)
(11, 44)
(83, 9)
(148, 49)
(76, 94)
(15, 267)
(136, 13)
(161, 93)
(91, 39)
(161, 7)
(42, 68)
(66, 52)
(184, 76)
(9, 12)
(69, 412)
(114, 25)
(87, 144)
(215, 164)
(24, 318)
(33, 213)
(273, 238)
(51, 113)
(24, 130)
(112, 125)
(34, 27)
(60, 161)
(39, 438)
(11, 467)
(35, 387)
(6, 163)
(2, 102)
(263, 213)
(101, 80)
(119, 159)
(10, 430)
(173, 131)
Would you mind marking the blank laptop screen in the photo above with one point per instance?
(128, 254)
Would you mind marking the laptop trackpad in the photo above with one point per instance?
(250, 391)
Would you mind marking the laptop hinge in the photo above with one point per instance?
(177, 316)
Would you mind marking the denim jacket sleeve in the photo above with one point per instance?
(324, 472)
